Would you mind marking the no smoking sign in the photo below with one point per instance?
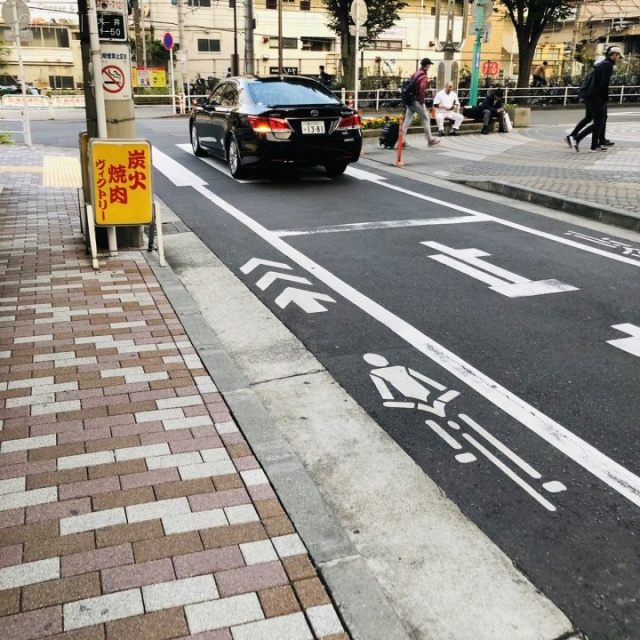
(116, 71)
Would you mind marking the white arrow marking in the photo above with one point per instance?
(502, 281)
(306, 300)
(256, 262)
(630, 345)
(270, 277)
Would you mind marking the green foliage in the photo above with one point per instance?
(381, 15)
(530, 18)
(5, 137)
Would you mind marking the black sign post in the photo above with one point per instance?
(112, 26)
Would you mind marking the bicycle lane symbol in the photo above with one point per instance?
(113, 78)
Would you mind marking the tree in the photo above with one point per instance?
(530, 18)
(381, 15)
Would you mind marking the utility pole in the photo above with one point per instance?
(249, 26)
(138, 34)
(234, 63)
(576, 33)
(182, 54)
(280, 63)
(477, 46)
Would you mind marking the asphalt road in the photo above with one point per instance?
(495, 347)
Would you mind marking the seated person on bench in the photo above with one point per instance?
(447, 104)
(491, 107)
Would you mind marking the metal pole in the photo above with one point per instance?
(25, 124)
(173, 86)
(235, 39)
(183, 44)
(477, 46)
(280, 63)
(96, 63)
(248, 39)
(357, 66)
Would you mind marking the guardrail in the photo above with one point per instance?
(40, 103)
(384, 99)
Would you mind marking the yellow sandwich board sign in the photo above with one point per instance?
(121, 190)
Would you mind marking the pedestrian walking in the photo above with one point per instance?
(447, 105)
(596, 96)
(421, 80)
(323, 77)
(604, 141)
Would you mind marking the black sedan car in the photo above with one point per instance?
(262, 123)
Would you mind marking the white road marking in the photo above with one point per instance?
(250, 265)
(381, 181)
(527, 468)
(516, 478)
(436, 428)
(630, 345)
(271, 276)
(383, 224)
(587, 456)
(306, 300)
(468, 261)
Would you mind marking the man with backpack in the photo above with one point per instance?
(414, 95)
(584, 88)
(596, 94)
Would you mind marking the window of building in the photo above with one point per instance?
(310, 43)
(305, 5)
(387, 45)
(272, 4)
(199, 3)
(287, 43)
(61, 82)
(50, 37)
(208, 46)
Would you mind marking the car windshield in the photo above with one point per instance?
(283, 93)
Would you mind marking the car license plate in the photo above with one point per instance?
(313, 126)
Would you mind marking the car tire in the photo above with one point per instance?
(195, 143)
(335, 169)
(234, 160)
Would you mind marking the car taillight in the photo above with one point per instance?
(350, 122)
(268, 125)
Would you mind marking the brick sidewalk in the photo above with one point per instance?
(131, 506)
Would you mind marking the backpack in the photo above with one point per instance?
(409, 90)
(585, 87)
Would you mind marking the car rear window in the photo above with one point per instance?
(289, 93)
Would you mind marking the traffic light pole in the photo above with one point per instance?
(477, 46)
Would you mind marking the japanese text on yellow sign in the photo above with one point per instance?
(121, 181)
(154, 77)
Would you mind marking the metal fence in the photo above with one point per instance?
(385, 99)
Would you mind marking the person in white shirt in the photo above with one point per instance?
(447, 104)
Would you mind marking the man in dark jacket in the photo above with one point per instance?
(595, 99)
(491, 107)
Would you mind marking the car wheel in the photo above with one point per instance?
(335, 169)
(233, 158)
(195, 142)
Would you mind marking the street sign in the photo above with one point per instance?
(167, 41)
(112, 21)
(116, 71)
(121, 191)
(362, 31)
(112, 26)
(286, 71)
(359, 7)
(490, 68)
(21, 14)
(487, 9)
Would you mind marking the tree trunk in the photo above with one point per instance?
(526, 52)
(348, 69)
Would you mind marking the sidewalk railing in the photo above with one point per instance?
(385, 99)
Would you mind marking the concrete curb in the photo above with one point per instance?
(607, 215)
(368, 616)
